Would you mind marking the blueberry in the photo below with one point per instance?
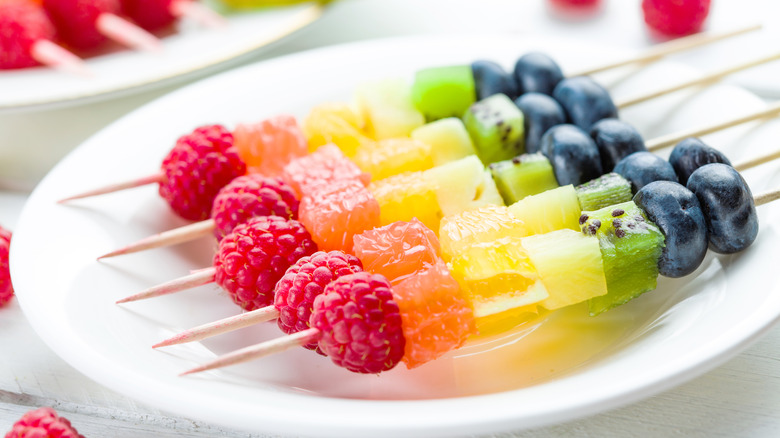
(616, 140)
(728, 207)
(540, 113)
(690, 154)
(584, 101)
(572, 153)
(537, 73)
(677, 212)
(642, 168)
(490, 78)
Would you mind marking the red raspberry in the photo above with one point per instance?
(76, 20)
(303, 282)
(43, 423)
(198, 166)
(249, 196)
(359, 323)
(6, 288)
(22, 23)
(252, 258)
(675, 17)
(149, 14)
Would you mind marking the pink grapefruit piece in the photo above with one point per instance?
(267, 146)
(327, 165)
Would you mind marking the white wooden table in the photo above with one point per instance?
(739, 399)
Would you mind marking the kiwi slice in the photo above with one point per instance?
(606, 190)
(630, 248)
(523, 175)
(440, 92)
(496, 128)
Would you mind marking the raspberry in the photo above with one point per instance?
(198, 166)
(359, 323)
(303, 282)
(6, 288)
(252, 258)
(76, 20)
(149, 14)
(675, 17)
(249, 196)
(43, 423)
(22, 24)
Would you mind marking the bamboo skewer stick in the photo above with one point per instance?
(195, 279)
(222, 326)
(706, 79)
(674, 46)
(150, 179)
(170, 237)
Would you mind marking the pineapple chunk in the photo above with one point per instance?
(388, 109)
(570, 266)
(552, 210)
(448, 138)
(464, 185)
(392, 156)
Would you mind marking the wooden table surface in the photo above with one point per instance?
(738, 399)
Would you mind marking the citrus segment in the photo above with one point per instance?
(267, 146)
(407, 196)
(327, 165)
(392, 156)
(484, 224)
(335, 123)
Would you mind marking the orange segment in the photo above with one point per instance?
(435, 316)
(407, 196)
(267, 146)
(335, 212)
(390, 157)
(335, 123)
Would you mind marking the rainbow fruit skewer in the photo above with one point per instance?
(268, 313)
(198, 229)
(28, 39)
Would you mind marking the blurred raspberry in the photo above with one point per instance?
(22, 23)
(250, 196)
(252, 258)
(360, 323)
(303, 282)
(76, 20)
(675, 17)
(43, 423)
(197, 167)
(6, 288)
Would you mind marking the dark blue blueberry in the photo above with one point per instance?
(676, 211)
(642, 168)
(690, 154)
(537, 73)
(585, 101)
(572, 153)
(490, 78)
(616, 140)
(540, 113)
(728, 207)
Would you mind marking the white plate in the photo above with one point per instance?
(189, 52)
(568, 367)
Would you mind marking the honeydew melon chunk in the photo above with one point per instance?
(552, 210)
(569, 265)
(440, 92)
(464, 185)
(387, 108)
(448, 139)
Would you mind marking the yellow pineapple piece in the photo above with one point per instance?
(388, 108)
(448, 138)
(336, 123)
(392, 156)
(552, 210)
(406, 196)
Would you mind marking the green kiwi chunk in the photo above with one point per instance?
(606, 190)
(630, 247)
(440, 92)
(523, 175)
(495, 125)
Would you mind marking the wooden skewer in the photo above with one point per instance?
(259, 350)
(674, 138)
(753, 162)
(198, 278)
(127, 33)
(222, 326)
(150, 179)
(170, 237)
(668, 48)
(706, 79)
(197, 12)
(53, 55)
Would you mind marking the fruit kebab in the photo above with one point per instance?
(717, 208)
(154, 15)
(28, 39)
(85, 24)
(439, 142)
(558, 209)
